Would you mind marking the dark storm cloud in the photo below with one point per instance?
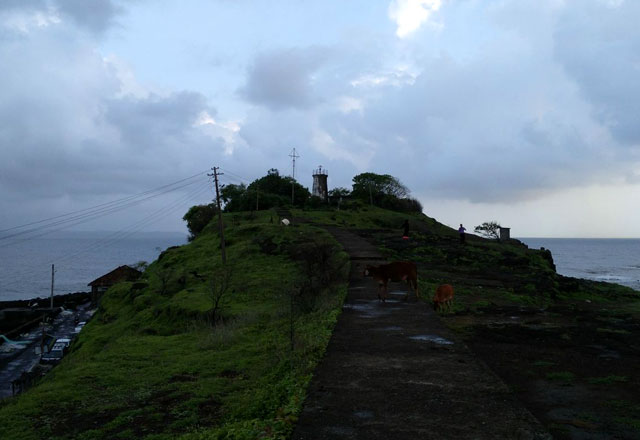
(130, 144)
(95, 15)
(504, 122)
(146, 123)
(284, 79)
(505, 101)
(70, 139)
(599, 46)
(22, 4)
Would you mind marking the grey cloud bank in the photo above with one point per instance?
(501, 102)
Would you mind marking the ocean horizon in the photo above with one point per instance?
(82, 256)
(614, 260)
(78, 257)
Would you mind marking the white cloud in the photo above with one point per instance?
(409, 15)
(348, 104)
(324, 143)
(27, 20)
(228, 130)
(395, 78)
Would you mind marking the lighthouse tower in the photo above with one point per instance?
(320, 183)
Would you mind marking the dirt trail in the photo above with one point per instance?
(394, 371)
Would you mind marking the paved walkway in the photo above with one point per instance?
(393, 371)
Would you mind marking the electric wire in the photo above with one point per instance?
(82, 218)
(104, 204)
(237, 176)
(150, 219)
(124, 233)
(78, 219)
(103, 242)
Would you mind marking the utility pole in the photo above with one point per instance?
(257, 197)
(220, 223)
(52, 272)
(293, 155)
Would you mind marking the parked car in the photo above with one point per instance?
(79, 326)
(59, 349)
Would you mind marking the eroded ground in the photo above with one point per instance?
(569, 349)
(575, 367)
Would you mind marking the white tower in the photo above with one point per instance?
(320, 183)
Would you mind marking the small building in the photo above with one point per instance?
(122, 273)
(505, 234)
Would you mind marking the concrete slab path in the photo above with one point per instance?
(394, 371)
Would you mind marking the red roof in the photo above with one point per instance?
(122, 273)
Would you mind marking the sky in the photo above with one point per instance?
(524, 112)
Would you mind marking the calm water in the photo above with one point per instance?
(79, 258)
(602, 259)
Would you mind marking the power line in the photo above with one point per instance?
(85, 217)
(105, 204)
(137, 226)
(234, 174)
(118, 236)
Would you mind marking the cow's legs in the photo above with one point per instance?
(382, 292)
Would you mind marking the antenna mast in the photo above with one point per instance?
(293, 156)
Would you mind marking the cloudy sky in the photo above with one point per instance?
(522, 111)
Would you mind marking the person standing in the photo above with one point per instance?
(461, 230)
(405, 226)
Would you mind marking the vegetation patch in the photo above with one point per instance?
(564, 377)
(607, 380)
(543, 364)
(197, 349)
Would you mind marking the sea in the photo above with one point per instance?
(81, 257)
(78, 258)
(614, 260)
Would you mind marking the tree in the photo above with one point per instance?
(489, 229)
(384, 191)
(197, 217)
(339, 192)
(368, 186)
(267, 192)
(235, 198)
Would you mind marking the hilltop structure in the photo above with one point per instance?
(320, 183)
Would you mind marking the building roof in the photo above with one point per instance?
(122, 273)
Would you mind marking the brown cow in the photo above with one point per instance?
(396, 271)
(443, 296)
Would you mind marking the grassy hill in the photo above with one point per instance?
(199, 350)
(156, 362)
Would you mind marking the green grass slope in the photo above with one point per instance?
(160, 361)
(198, 350)
(484, 272)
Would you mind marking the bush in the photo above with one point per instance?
(197, 217)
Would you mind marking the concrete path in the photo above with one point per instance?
(393, 371)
